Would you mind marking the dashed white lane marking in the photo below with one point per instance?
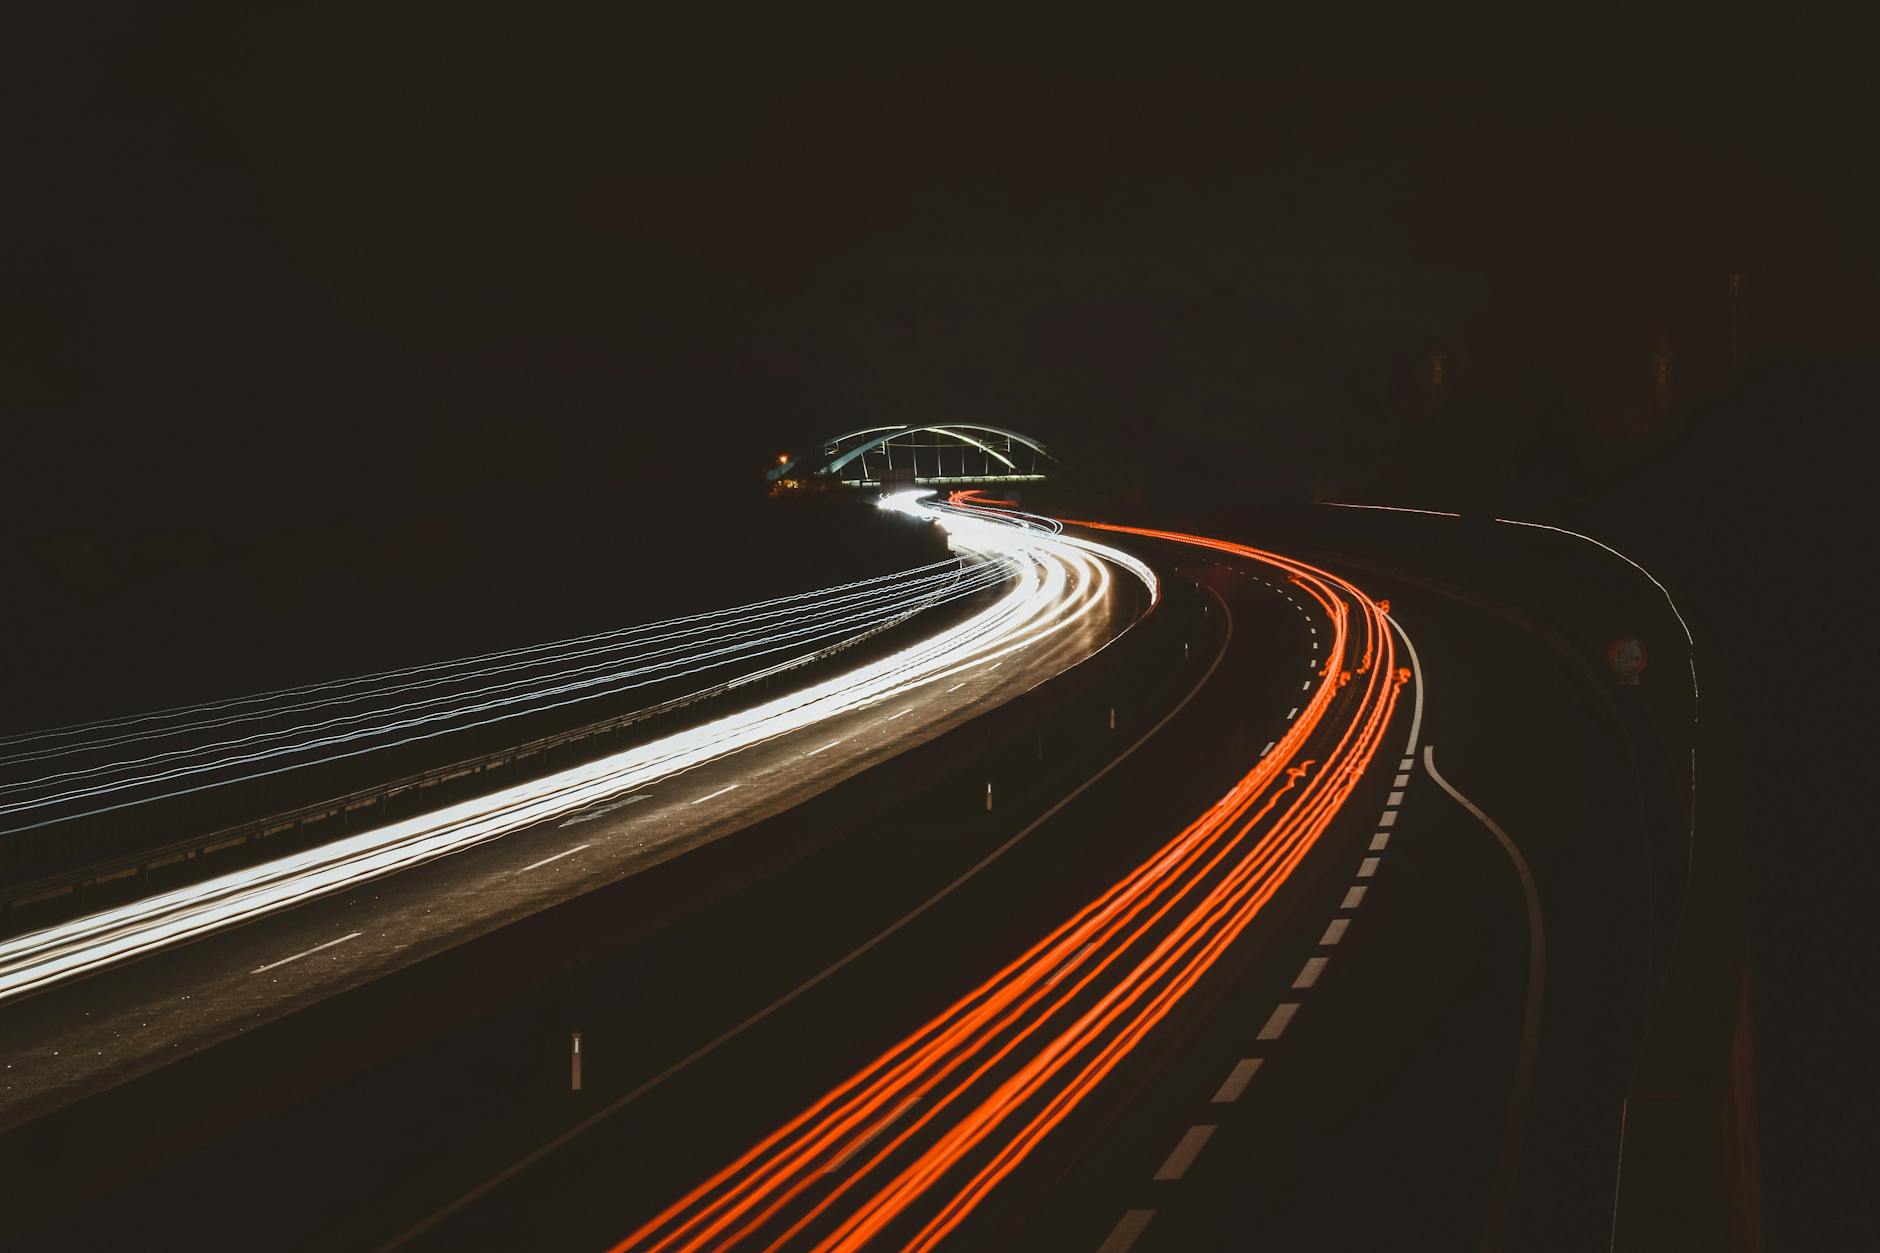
(1367, 867)
(1396, 799)
(1291, 713)
(1192, 1142)
(1354, 897)
(1237, 1080)
(554, 1145)
(956, 687)
(297, 956)
(1310, 972)
(720, 792)
(1128, 1230)
(557, 857)
(1379, 840)
(812, 752)
(1334, 931)
(1406, 763)
(1276, 1025)
(904, 713)
(1268, 748)
(1402, 780)
(592, 814)
(1306, 686)
(1388, 818)
(994, 666)
(868, 1135)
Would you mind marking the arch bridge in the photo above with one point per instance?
(938, 454)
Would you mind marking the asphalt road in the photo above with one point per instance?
(1379, 1114)
(78, 1040)
(1373, 1112)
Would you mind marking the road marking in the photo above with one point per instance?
(1407, 763)
(1290, 714)
(592, 814)
(619, 1103)
(1315, 646)
(1268, 748)
(1310, 972)
(1306, 686)
(1354, 897)
(1185, 1153)
(994, 666)
(812, 752)
(297, 956)
(1276, 1025)
(1402, 780)
(557, 857)
(1379, 840)
(1334, 931)
(904, 713)
(1367, 867)
(956, 687)
(1388, 818)
(1502, 1194)
(720, 792)
(1396, 798)
(1128, 1230)
(1237, 1080)
(868, 1135)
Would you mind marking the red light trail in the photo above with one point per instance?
(919, 1137)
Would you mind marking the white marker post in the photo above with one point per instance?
(574, 1078)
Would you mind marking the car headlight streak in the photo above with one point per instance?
(1052, 582)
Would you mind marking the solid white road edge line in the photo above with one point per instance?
(1502, 1195)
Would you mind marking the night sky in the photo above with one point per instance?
(454, 257)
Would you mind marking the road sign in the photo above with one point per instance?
(1626, 656)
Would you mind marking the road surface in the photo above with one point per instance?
(1303, 961)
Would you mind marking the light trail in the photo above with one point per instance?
(69, 794)
(743, 626)
(1053, 583)
(180, 711)
(976, 1090)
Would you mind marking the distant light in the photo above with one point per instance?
(783, 458)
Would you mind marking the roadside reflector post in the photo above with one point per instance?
(1112, 717)
(574, 1077)
(988, 796)
(1184, 650)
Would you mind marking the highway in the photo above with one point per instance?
(1338, 941)
(1051, 603)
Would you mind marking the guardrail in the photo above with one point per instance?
(68, 892)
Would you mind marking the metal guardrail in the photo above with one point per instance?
(139, 864)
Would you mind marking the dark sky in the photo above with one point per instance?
(456, 254)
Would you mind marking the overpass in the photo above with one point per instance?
(937, 454)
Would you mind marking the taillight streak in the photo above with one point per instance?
(1184, 905)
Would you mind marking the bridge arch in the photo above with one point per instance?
(937, 454)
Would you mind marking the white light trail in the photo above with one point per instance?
(1054, 582)
(72, 794)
